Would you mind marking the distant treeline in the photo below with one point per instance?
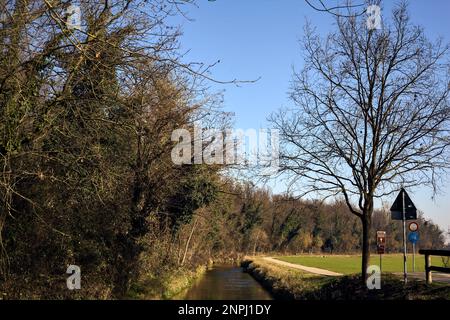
(250, 220)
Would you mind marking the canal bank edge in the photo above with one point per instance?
(283, 283)
(171, 287)
(175, 284)
(290, 284)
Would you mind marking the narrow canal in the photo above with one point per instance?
(226, 282)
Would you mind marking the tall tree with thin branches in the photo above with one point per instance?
(372, 114)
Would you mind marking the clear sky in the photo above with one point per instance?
(259, 38)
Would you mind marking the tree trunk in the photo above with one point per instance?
(365, 245)
(256, 243)
(188, 241)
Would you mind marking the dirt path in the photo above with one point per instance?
(304, 268)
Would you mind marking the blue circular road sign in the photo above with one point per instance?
(413, 237)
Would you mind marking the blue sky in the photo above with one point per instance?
(259, 38)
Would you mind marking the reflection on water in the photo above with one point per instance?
(226, 282)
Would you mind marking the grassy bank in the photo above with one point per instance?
(167, 286)
(287, 283)
(282, 282)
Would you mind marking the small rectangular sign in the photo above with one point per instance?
(381, 242)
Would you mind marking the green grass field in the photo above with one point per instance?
(290, 283)
(349, 264)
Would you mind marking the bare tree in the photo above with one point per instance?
(372, 114)
(337, 9)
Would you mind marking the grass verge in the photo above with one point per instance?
(351, 264)
(287, 283)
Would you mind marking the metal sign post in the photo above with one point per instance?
(404, 209)
(381, 245)
(405, 271)
(381, 264)
(413, 237)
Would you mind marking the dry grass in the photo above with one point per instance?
(163, 288)
(283, 282)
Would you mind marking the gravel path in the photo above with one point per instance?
(304, 268)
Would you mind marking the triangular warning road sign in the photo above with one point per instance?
(397, 207)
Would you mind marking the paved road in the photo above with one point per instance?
(436, 276)
(304, 268)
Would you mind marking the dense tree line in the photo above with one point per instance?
(249, 220)
(85, 139)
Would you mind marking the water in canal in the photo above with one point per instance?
(226, 282)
